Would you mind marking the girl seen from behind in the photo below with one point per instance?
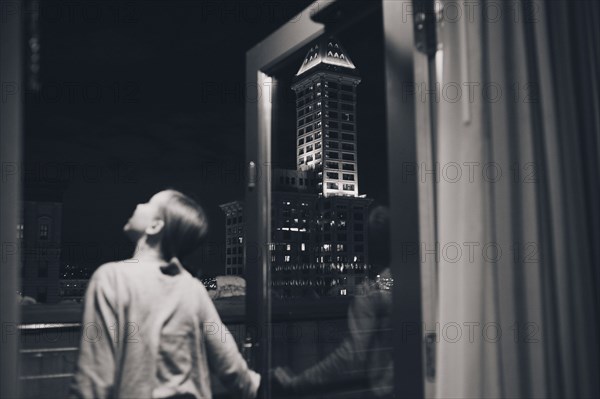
(150, 329)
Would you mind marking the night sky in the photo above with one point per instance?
(145, 95)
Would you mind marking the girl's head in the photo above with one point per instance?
(171, 221)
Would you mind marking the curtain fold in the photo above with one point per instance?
(523, 293)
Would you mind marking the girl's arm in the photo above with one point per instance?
(224, 357)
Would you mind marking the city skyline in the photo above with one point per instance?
(186, 132)
(319, 225)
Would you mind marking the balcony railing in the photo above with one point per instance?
(303, 332)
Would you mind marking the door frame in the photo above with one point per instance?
(11, 134)
(257, 215)
(399, 53)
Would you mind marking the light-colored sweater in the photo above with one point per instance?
(150, 330)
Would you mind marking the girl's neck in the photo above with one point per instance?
(146, 251)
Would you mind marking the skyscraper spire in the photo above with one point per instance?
(326, 51)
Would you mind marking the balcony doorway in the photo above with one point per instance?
(326, 136)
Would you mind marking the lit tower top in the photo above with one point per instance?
(327, 51)
(325, 87)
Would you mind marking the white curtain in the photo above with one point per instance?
(517, 200)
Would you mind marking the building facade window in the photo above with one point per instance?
(348, 127)
(44, 231)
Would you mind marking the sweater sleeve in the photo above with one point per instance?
(224, 357)
(347, 362)
(94, 377)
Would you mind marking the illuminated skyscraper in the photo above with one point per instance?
(325, 87)
(318, 218)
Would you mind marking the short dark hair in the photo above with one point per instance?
(185, 226)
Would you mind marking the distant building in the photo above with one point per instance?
(73, 282)
(319, 245)
(234, 238)
(39, 235)
(318, 219)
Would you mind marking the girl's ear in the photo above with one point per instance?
(155, 227)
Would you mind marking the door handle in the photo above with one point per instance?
(252, 175)
(248, 352)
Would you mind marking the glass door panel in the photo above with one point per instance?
(324, 208)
